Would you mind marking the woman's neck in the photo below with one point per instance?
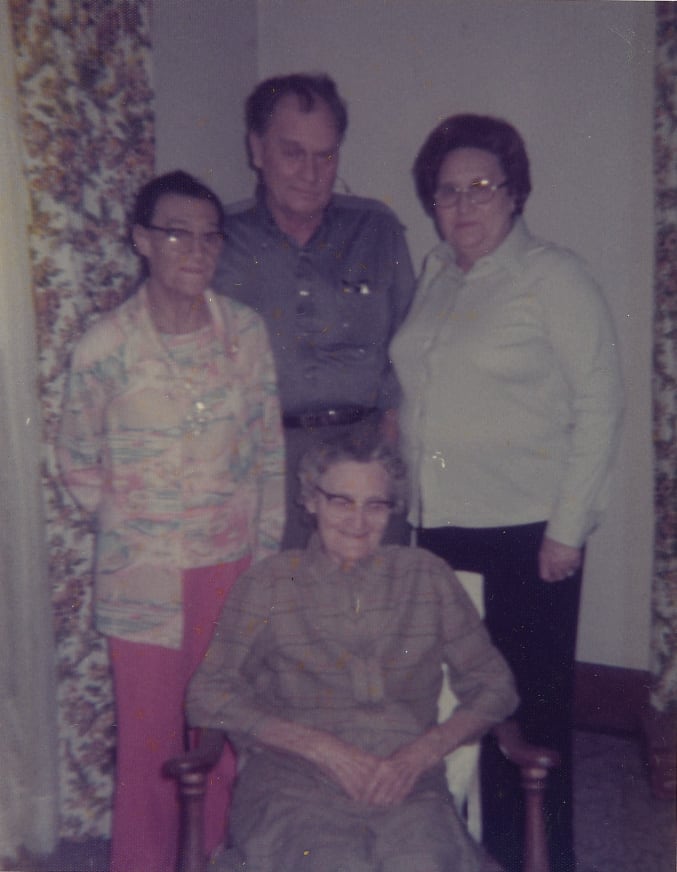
(183, 315)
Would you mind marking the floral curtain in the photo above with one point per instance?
(664, 604)
(86, 117)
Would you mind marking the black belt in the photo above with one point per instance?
(327, 417)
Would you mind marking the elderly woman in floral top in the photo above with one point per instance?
(171, 436)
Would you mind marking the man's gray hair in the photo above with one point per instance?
(308, 88)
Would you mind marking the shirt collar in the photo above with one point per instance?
(509, 255)
(272, 228)
(324, 568)
(223, 329)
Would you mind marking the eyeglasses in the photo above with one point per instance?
(183, 240)
(479, 193)
(342, 506)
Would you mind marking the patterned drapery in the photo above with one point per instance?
(664, 601)
(85, 105)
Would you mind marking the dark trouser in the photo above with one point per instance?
(533, 623)
(300, 524)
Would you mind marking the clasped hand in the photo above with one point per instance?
(374, 780)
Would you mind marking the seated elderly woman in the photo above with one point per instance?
(325, 671)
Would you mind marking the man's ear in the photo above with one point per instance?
(141, 239)
(310, 504)
(256, 150)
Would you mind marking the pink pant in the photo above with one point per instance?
(150, 683)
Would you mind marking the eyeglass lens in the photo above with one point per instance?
(184, 240)
(479, 193)
(342, 505)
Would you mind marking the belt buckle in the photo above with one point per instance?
(329, 417)
(307, 420)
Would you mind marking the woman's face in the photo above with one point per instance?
(473, 230)
(180, 266)
(352, 505)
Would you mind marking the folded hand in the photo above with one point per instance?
(395, 776)
(377, 780)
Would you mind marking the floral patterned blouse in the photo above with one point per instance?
(175, 443)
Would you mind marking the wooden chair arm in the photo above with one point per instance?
(515, 748)
(191, 771)
(534, 763)
(202, 758)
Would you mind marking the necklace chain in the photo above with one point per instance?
(200, 415)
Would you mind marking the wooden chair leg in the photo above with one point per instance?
(192, 787)
(191, 772)
(535, 842)
(534, 763)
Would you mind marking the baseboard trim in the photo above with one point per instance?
(610, 698)
(659, 730)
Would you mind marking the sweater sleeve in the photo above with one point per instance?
(478, 674)
(81, 443)
(223, 691)
(271, 465)
(580, 331)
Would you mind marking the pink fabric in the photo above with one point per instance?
(150, 683)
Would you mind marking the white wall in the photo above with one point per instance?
(204, 64)
(574, 77)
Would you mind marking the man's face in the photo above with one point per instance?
(297, 157)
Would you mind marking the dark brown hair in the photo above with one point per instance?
(176, 182)
(473, 131)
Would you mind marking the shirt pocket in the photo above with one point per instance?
(363, 311)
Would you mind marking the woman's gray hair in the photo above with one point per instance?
(360, 445)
